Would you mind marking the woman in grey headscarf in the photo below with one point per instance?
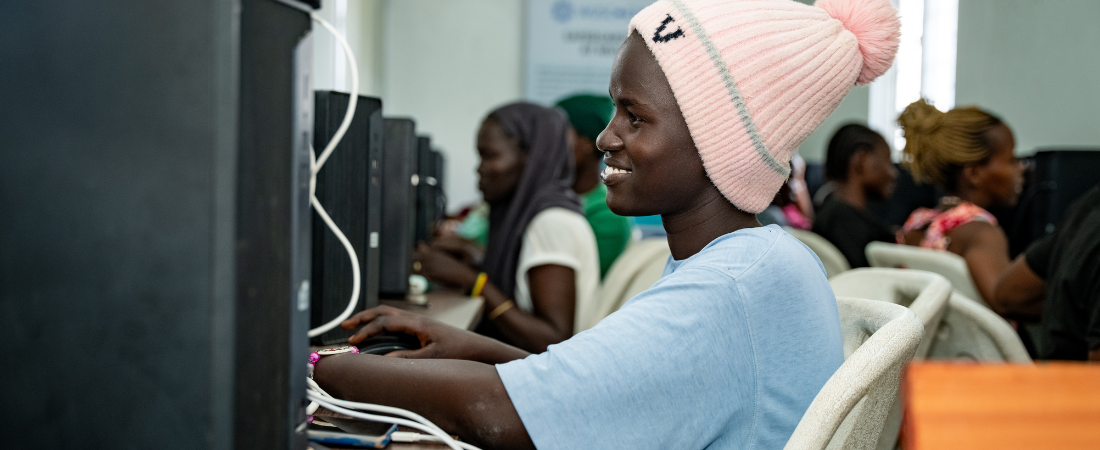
(541, 264)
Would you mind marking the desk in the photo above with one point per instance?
(447, 306)
(1002, 406)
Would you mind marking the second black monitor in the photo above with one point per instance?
(400, 176)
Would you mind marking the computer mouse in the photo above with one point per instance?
(381, 344)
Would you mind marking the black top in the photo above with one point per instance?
(850, 229)
(1069, 261)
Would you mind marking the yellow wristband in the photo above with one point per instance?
(504, 307)
(479, 285)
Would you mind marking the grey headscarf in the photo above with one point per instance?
(547, 182)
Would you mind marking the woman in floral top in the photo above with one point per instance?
(968, 153)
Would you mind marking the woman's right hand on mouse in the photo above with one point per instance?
(437, 340)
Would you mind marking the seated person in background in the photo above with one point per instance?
(968, 153)
(858, 164)
(729, 348)
(1057, 280)
(541, 262)
(588, 115)
(474, 228)
(791, 206)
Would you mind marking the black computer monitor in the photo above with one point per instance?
(429, 191)
(1059, 177)
(349, 189)
(441, 192)
(399, 180)
(154, 224)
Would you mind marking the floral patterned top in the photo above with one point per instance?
(938, 224)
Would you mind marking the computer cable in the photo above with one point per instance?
(411, 437)
(317, 162)
(352, 256)
(316, 389)
(330, 404)
(314, 392)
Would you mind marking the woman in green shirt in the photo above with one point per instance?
(589, 115)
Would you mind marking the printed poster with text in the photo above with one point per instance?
(570, 45)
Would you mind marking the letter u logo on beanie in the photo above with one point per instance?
(670, 36)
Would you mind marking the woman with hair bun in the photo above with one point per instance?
(968, 153)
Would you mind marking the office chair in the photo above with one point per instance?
(830, 256)
(925, 293)
(636, 269)
(951, 266)
(971, 331)
(851, 410)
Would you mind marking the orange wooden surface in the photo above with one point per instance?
(1001, 406)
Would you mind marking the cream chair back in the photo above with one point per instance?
(970, 331)
(636, 269)
(830, 256)
(851, 409)
(923, 292)
(951, 266)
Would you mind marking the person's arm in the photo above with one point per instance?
(437, 340)
(464, 398)
(1019, 291)
(985, 249)
(461, 248)
(553, 294)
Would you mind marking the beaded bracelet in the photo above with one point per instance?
(316, 356)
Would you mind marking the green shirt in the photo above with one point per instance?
(612, 230)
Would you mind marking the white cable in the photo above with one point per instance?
(374, 408)
(369, 407)
(411, 437)
(315, 166)
(444, 437)
(315, 392)
(355, 282)
(354, 93)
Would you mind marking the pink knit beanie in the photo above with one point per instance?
(753, 78)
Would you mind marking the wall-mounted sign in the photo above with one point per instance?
(571, 44)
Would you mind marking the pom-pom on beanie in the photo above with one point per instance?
(753, 78)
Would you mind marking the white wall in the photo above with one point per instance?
(446, 64)
(443, 63)
(361, 24)
(1035, 64)
(853, 109)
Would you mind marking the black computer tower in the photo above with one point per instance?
(399, 181)
(441, 191)
(1058, 177)
(427, 205)
(154, 224)
(349, 190)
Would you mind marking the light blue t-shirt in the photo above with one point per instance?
(726, 351)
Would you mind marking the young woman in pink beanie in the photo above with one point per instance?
(729, 348)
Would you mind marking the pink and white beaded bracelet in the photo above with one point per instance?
(316, 356)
